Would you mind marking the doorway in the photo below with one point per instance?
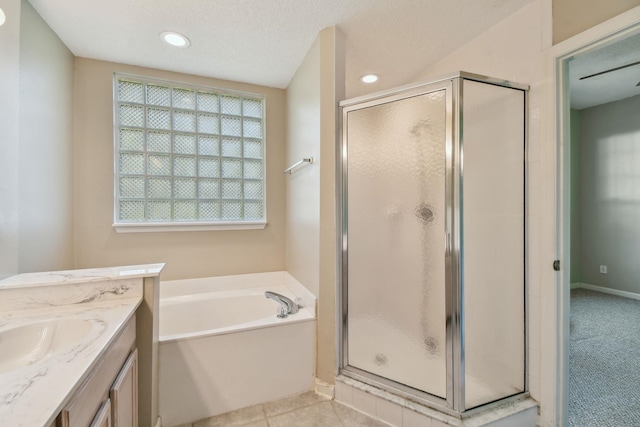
(599, 118)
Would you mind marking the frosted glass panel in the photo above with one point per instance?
(208, 102)
(184, 98)
(188, 154)
(493, 224)
(396, 241)
(130, 91)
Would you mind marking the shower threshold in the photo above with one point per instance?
(518, 410)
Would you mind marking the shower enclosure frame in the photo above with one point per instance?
(454, 403)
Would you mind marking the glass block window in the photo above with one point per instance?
(187, 154)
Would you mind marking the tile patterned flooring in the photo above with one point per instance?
(304, 410)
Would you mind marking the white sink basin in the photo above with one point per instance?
(33, 342)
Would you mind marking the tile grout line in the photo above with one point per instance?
(269, 419)
(366, 414)
(289, 411)
(333, 408)
(264, 414)
(296, 408)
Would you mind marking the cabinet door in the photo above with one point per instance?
(88, 400)
(103, 417)
(124, 394)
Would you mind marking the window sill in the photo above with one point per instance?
(155, 227)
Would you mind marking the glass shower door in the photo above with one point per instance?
(396, 214)
(493, 261)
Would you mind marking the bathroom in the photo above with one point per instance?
(72, 105)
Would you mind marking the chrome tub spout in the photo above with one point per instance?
(287, 306)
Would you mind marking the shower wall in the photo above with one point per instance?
(493, 241)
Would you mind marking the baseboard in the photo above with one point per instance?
(324, 389)
(575, 285)
(604, 290)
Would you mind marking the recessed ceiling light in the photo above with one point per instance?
(175, 39)
(2, 17)
(369, 78)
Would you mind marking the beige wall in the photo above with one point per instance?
(332, 89)
(571, 17)
(312, 106)
(303, 186)
(36, 147)
(46, 147)
(9, 134)
(187, 254)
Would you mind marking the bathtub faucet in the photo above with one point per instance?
(287, 306)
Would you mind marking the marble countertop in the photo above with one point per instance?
(49, 278)
(33, 395)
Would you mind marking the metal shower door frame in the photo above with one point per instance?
(454, 403)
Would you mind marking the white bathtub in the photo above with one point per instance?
(223, 348)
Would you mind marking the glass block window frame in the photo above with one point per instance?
(187, 155)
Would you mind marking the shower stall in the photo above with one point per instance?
(432, 244)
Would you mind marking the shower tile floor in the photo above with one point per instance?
(303, 410)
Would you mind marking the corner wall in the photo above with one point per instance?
(9, 139)
(187, 254)
(312, 105)
(303, 185)
(332, 84)
(46, 147)
(610, 194)
(36, 154)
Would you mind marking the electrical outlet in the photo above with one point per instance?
(603, 269)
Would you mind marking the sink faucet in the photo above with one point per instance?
(287, 306)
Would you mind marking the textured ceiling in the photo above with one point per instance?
(608, 87)
(264, 41)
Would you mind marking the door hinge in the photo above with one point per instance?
(556, 265)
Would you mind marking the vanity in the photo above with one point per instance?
(70, 347)
(109, 396)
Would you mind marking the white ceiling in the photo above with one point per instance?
(608, 87)
(264, 41)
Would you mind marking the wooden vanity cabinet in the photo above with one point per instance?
(124, 394)
(103, 417)
(108, 396)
